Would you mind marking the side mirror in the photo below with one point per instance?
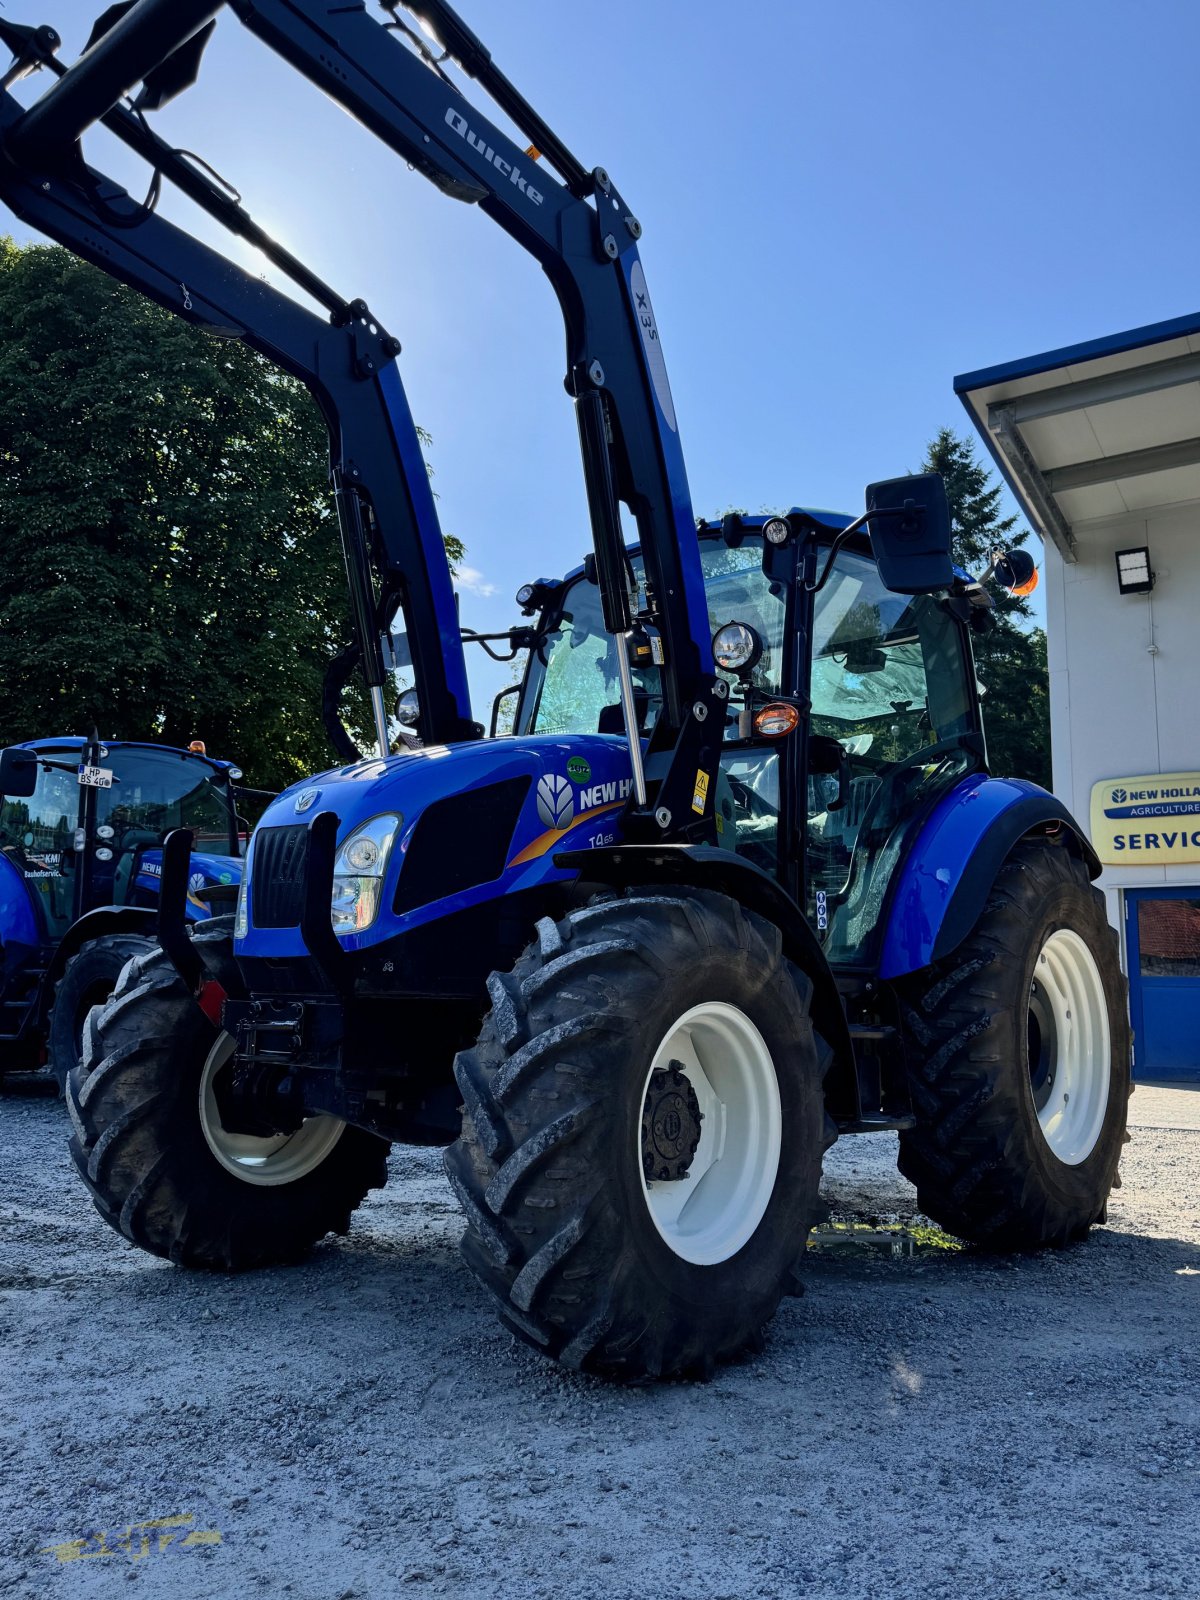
(18, 772)
(505, 694)
(909, 519)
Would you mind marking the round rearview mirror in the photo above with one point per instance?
(737, 648)
(408, 709)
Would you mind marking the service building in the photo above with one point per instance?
(1100, 443)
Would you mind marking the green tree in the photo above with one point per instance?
(1010, 659)
(169, 557)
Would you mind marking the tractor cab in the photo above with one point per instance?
(82, 825)
(90, 834)
(851, 708)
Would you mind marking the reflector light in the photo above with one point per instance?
(776, 719)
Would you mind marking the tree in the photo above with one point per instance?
(1010, 659)
(169, 557)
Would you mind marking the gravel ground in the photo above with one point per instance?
(944, 1425)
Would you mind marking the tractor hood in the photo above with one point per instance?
(207, 872)
(478, 821)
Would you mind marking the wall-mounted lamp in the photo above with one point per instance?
(1133, 571)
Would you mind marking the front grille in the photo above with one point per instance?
(277, 884)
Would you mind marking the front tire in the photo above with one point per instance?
(160, 1169)
(643, 1129)
(1018, 1053)
(88, 980)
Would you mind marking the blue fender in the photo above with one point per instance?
(948, 874)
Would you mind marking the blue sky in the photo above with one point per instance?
(844, 205)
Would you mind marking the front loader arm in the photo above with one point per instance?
(584, 236)
(391, 538)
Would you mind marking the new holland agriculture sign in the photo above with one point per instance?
(1147, 822)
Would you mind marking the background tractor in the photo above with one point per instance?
(81, 829)
(739, 881)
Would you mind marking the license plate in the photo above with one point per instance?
(95, 777)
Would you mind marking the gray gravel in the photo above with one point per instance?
(949, 1425)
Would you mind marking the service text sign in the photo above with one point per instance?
(1153, 821)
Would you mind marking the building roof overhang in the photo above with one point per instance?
(1095, 430)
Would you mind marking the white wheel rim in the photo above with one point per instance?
(1070, 1073)
(707, 1215)
(264, 1162)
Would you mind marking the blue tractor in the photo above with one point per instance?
(738, 882)
(82, 824)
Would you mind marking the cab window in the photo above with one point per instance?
(890, 684)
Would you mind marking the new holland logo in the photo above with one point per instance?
(307, 799)
(555, 801)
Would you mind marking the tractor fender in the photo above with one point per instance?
(708, 867)
(97, 924)
(944, 882)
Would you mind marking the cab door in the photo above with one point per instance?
(891, 683)
(38, 840)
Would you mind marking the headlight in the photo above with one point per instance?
(358, 874)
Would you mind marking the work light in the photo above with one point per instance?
(736, 647)
(1133, 571)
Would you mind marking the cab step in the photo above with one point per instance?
(871, 1124)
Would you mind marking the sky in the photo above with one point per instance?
(844, 206)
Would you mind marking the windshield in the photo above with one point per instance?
(154, 791)
(576, 689)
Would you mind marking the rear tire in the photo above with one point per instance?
(159, 1170)
(1018, 1051)
(571, 1098)
(88, 979)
